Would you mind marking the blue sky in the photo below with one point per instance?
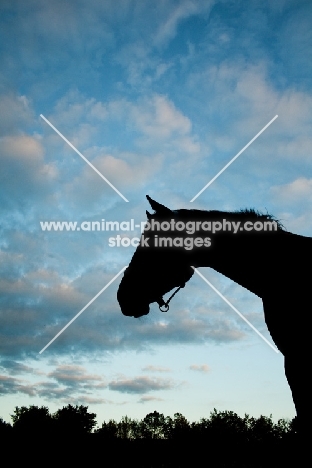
(159, 96)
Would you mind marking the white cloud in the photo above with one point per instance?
(185, 9)
(298, 191)
(126, 173)
(264, 101)
(156, 369)
(152, 123)
(158, 117)
(24, 170)
(294, 200)
(74, 108)
(22, 148)
(148, 398)
(162, 124)
(200, 367)
(15, 111)
(298, 224)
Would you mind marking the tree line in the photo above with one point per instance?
(224, 437)
(79, 421)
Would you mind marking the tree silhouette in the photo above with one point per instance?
(5, 429)
(227, 439)
(227, 422)
(32, 420)
(178, 428)
(261, 429)
(154, 426)
(128, 428)
(74, 420)
(108, 431)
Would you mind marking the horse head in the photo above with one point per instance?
(153, 271)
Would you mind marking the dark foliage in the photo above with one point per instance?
(157, 441)
(74, 420)
(5, 429)
(33, 421)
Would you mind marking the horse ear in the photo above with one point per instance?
(149, 216)
(160, 209)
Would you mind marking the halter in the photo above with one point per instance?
(161, 303)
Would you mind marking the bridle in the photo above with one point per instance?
(161, 303)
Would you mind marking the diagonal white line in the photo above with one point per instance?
(235, 310)
(83, 157)
(233, 159)
(82, 310)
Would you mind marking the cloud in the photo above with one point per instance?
(86, 400)
(18, 367)
(149, 398)
(23, 148)
(24, 173)
(156, 369)
(148, 116)
(33, 311)
(140, 385)
(298, 191)
(65, 383)
(196, 326)
(15, 113)
(161, 119)
(123, 174)
(242, 99)
(11, 385)
(156, 129)
(71, 375)
(38, 303)
(200, 367)
(292, 200)
(74, 108)
(168, 29)
(51, 390)
(158, 132)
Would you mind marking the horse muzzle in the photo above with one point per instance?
(136, 310)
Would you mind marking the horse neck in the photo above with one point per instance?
(238, 257)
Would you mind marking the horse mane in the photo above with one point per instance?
(247, 213)
(252, 213)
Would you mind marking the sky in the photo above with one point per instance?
(158, 96)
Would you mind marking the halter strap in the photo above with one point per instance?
(161, 303)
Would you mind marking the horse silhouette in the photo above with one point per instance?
(261, 256)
